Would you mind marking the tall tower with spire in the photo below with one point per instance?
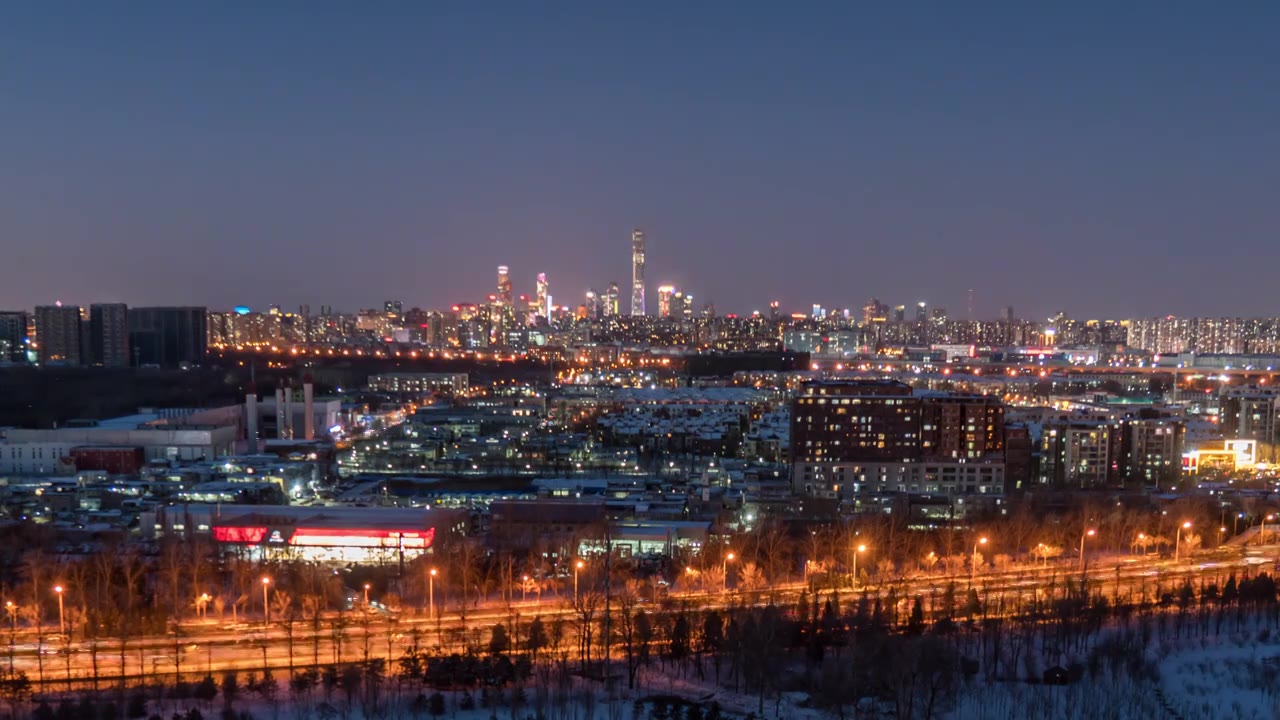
(637, 272)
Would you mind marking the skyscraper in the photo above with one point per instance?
(168, 336)
(637, 272)
(611, 300)
(665, 294)
(922, 312)
(544, 306)
(58, 334)
(505, 297)
(108, 335)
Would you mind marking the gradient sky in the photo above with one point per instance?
(1107, 159)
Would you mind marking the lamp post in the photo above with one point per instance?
(859, 549)
(431, 600)
(576, 567)
(1262, 534)
(266, 609)
(724, 572)
(1087, 534)
(1142, 540)
(524, 588)
(62, 623)
(366, 594)
(973, 559)
(1222, 532)
(13, 629)
(1177, 543)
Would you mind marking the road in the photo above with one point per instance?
(209, 646)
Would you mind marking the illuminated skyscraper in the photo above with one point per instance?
(505, 297)
(593, 305)
(637, 272)
(544, 307)
(665, 293)
(922, 312)
(611, 301)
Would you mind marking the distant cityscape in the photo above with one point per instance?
(115, 335)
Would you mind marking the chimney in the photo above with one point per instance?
(280, 428)
(288, 409)
(308, 408)
(251, 411)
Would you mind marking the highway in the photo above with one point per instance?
(211, 646)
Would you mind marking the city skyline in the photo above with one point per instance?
(1088, 158)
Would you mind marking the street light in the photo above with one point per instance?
(1262, 535)
(724, 572)
(366, 594)
(1087, 534)
(1142, 540)
(266, 610)
(576, 567)
(1177, 542)
(524, 588)
(13, 629)
(431, 580)
(859, 549)
(973, 559)
(62, 624)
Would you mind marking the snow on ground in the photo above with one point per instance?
(1233, 679)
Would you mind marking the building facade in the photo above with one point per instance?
(58, 335)
(108, 335)
(168, 336)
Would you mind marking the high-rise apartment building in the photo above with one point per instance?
(168, 336)
(850, 439)
(58, 334)
(108, 335)
(13, 337)
(637, 272)
(1253, 413)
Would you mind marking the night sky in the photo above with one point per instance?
(1106, 159)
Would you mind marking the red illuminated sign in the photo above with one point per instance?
(243, 535)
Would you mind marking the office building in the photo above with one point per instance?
(13, 337)
(612, 304)
(505, 298)
(168, 336)
(665, 294)
(543, 296)
(108, 344)
(58, 334)
(637, 272)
